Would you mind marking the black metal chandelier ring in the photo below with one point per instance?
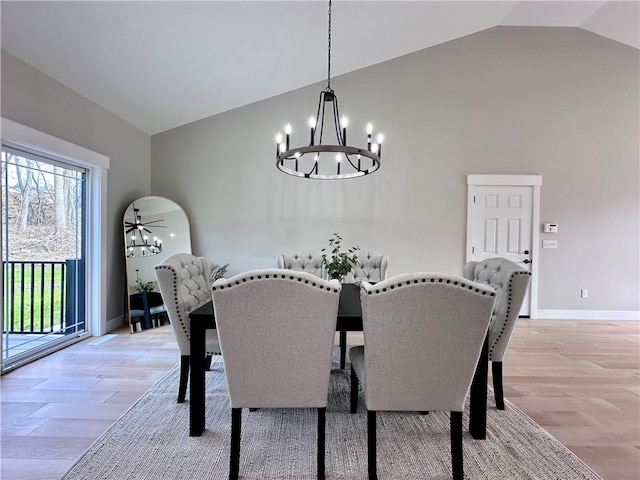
(293, 156)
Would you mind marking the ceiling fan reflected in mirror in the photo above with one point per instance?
(139, 244)
(138, 224)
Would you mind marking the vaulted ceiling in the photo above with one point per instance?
(163, 64)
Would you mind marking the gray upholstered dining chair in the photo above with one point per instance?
(423, 336)
(184, 283)
(276, 331)
(510, 282)
(370, 267)
(309, 261)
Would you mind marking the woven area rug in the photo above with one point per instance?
(151, 442)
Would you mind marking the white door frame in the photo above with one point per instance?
(534, 181)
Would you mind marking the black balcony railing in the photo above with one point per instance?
(43, 296)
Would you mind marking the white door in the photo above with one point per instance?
(500, 223)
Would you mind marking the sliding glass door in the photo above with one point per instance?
(43, 251)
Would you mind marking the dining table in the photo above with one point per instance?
(349, 319)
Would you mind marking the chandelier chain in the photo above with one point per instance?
(329, 52)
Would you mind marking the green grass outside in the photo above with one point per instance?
(45, 299)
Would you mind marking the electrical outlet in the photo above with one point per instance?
(584, 293)
(549, 244)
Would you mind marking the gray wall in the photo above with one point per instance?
(562, 103)
(558, 102)
(34, 99)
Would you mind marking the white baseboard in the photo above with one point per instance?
(115, 323)
(588, 314)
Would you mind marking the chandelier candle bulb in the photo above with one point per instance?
(278, 142)
(287, 131)
(312, 125)
(344, 123)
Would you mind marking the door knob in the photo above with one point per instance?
(525, 261)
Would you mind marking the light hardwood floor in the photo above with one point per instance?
(578, 379)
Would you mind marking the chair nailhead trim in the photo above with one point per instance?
(275, 275)
(433, 280)
(508, 312)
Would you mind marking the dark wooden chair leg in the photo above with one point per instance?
(354, 391)
(207, 362)
(371, 442)
(456, 445)
(236, 427)
(496, 372)
(321, 441)
(184, 377)
(343, 348)
(478, 395)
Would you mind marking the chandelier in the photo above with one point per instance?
(325, 161)
(138, 244)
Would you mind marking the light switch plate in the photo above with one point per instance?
(549, 244)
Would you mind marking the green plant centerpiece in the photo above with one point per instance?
(143, 286)
(218, 271)
(338, 264)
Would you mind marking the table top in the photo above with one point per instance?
(349, 305)
(349, 310)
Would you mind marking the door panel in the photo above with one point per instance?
(490, 244)
(514, 240)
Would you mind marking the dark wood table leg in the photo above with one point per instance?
(478, 400)
(196, 380)
(343, 348)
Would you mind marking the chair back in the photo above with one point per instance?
(309, 261)
(370, 267)
(276, 332)
(423, 334)
(510, 281)
(184, 282)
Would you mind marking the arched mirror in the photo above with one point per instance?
(154, 228)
